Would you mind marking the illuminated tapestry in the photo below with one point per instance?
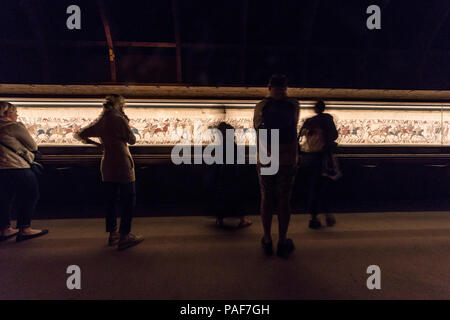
(168, 124)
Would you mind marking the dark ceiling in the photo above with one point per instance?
(317, 43)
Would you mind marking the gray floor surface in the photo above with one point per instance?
(189, 258)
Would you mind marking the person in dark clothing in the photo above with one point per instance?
(226, 194)
(280, 112)
(318, 136)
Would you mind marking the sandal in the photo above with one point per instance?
(244, 223)
(4, 238)
(22, 237)
(130, 241)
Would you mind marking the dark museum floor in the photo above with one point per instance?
(189, 258)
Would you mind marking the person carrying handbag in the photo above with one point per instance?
(318, 164)
(19, 188)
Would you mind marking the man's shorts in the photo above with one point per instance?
(279, 184)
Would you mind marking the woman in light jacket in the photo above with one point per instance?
(117, 168)
(19, 188)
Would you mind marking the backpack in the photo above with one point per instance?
(313, 140)
(280, 114)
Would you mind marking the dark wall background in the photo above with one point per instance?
(317, 43)
(377, 184)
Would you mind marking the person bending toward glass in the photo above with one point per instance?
(117, 169)
(318, 134)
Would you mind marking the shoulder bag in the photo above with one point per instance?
(36, 167)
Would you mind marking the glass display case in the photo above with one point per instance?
(168, 122)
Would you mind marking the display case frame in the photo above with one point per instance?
(371, 123)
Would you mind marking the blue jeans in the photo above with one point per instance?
(19, 191)
(122, 197)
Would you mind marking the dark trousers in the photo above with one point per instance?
(319, 187)
(119, 197)
(226, 195)
(19, 191)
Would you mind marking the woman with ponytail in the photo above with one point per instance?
(117, 168)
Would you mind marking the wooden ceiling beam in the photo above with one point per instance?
(109, 41)
(185, 92)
